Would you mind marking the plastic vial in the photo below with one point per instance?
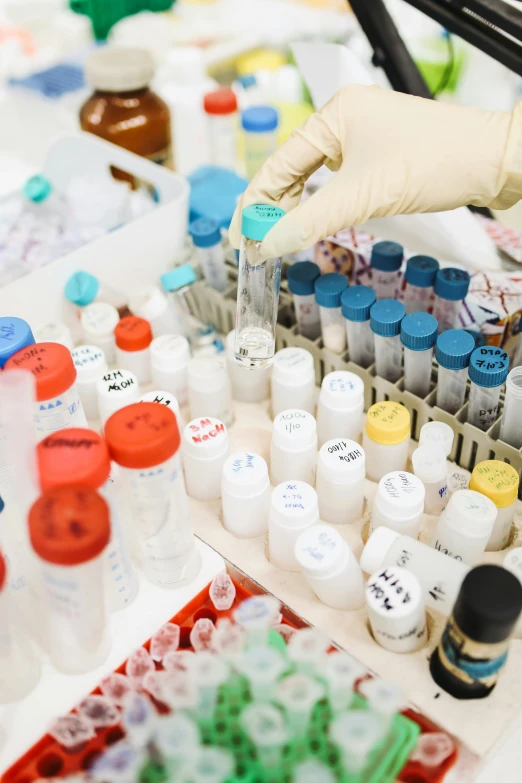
(98, 324)
(90, 364)
(72, 566)
(499, 482)
(266, 728)
(488, 370)
(167, 399)
(55, 332)
(245, 494)
(79, 457)
(169, 361)
(451, 288)
(293, 509)
(257, 289)
(328, 292)
(399, 503)
(419, 279)
(474, 645)
(205, 450)
(437, 433)
(356, 733)
(341, 407)
(440, 577)
(293, 380)
(247, 386)
(330, 567)
(144, 440)
(133, 338)
(396, 610)
(178, 283)
(433, 749)
(15, 334)
(83, 289)
(386, 438)
(465, 526)
(356, 303)
(221, 110)
(206, 236)
(418, 336)
(115, 390)
(152, 305)
(301, 278)
(431, 467)
(453, 351)
(259, 125)
(58, 403)
(293, 451)
(385, 321)
(340, 481)
(511, 425)
(386, 261)
(209, 390)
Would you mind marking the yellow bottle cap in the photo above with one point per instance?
(253, 61)
(497, 480)
(388, 423)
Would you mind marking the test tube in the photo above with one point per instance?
(71, 565)
(258, 289)
(465, 526)
(419, 279)
(430, 466)
(511, 424)
(256, 615)
(210, 672)
(451, 288)
(293, 509)
(206, 236)
(133, 338)
(328, 292)
(499, 482)
(386, 261)
(209, 390)
(293, 380)
(298, 695)
(246, 386)
(396, 610)
(144, 440)
(265, 726)
(293, 448)
(262, 666)
(341, 671)
(341, 406)
(356, 303)
(91, 364)
(488, 370)
(356, 733)
(340, 481)
(453, 351)
(205, 451)
(245, 494)
(115, 390)
(15, 334)
(98, 322)
(399, 503)
(437, 433)
(169, 361)
(385, 320)
(301, 278)
(418, 336)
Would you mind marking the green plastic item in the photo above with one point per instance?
(105, 13)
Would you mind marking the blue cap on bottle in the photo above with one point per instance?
(329, 288)
(357, 302)
(454, 347)
(37, 188)
(205, 232)
(386, 316)
(452, 283)
(419, 331)
(387, 256)
(15, 334)
(477, 336)
(258, 219)
(421, 271)
(488, 366)
(259, 119)
(82, 288)
(178, 278)
(302, 276)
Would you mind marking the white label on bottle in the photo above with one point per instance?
(85, 357)
(205, 431)
(391, 593)
(319, 548)
(118, 382)
(341, 452)
(297, 424)
(288, 358)
(345, 384)
(293, 498)
(401, 488)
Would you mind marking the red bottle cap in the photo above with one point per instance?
(3, 572)
(74, 456)
(51, 365)
(133, 333)
(69, 525)
(221, 101)
(142, 435)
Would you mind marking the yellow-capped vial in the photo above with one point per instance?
(499, 482)
(386, 438)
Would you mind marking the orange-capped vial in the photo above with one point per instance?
(58, 403)
(144, 440)
(133, 338)
(69, 529)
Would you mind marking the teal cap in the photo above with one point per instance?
(37, 188)
(258, 219)
(82, 288)
(178, 278)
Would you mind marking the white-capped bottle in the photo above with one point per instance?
(152, 305)
(209, 390)
(247, 386)
(437, 433)
(293, 380)
(245, 495)
(115, 390)
(98, 322)
(341, 406)
(293, 509)
(396, 611)
(399, 503)
(91, 364)
(205, 450)
(167, 399)
(340, 481)
(431, 467)
(293, 451)
(464, 527)
(169, 360)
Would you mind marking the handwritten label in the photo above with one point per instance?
(118, 380)
(33, 359)
(7, 330)
(84, 356)
(205, 430)
(295, 423)
(320, 547)
(292, 358)
(344, 384)
(388, 592)
(244, 463)
(345, 451)
(446, 551)
(492, 359)
(61, 442)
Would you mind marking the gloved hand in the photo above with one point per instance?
(394, 154)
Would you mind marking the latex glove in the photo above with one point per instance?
(394, 154)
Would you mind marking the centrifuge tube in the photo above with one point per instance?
(120, 763)
(201, 634)
(328, 292)
(488, 370)
(177, 739)
(301, 278)
(385, 698)
(256, 615)
(341, 671)
(385, 320)
(432, 749)
(298, 695)
(100, 710)
(222, 592)
(418, 336)
(307, 649)
(262, 666)
(451, 287)
(419, 279)
(511, 425)
(210, 672)
(139, 719)
(165, 640)
(139, 664)
(266, 728)
(454, 348)
(356, 303)
(356, 733)
(386, 261)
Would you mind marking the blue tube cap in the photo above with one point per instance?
(452, 283)
(387, 256)
(419, 331)
(258, 219)
(15, 334)
(479, 338)
(302, 276)
(454, 347)
(421, 271)
(386, 316)
(37, 188)
(82, 288)
(329, 288)
(178, 278)
(488, 366)
(259, 119)
(205, 232)
(357, 302)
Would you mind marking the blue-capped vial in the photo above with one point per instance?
(488, 370)
(451, 288)
(328, 292)
(356, 303)
(206, 237)
(418, 336)
(15, 334)
(385, 321)
(419, 279)
(301, 279)
(259, 125)
(453, 350)
(386, 261)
